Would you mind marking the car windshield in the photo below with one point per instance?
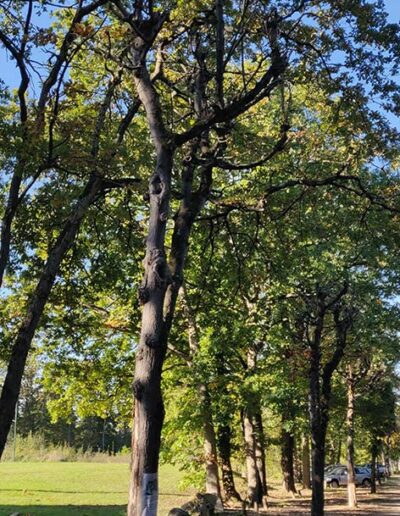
(337, 471)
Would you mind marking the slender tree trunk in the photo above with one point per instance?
(298, 474)
(320, 391)
(287, 455)
(254, 444)
(305, 446)
(210, 445)
(331, 452)
(339, 450)
(210, 440)
(386, 456)
(260, 454)
(318, 464)
(12, 382)
(317, 439)
(16, 180)
(374, 455)
(351, 478)
(254, 488)
(6, 223)
(224, 434)
(319, 422)
(224, 449)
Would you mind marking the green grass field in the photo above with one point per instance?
(77, 488)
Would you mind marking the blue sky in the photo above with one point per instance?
(10, 75)
(393, 9)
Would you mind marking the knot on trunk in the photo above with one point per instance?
(143, 294)
(151, 341)
(138, 389)
(156, 185)
(159, 267)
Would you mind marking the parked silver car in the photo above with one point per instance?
(338, 477)
(331, 467)
(381, 471)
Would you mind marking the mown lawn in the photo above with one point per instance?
(77, 488)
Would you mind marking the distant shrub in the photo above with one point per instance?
(34, 448)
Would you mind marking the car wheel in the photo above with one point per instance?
(334, 483)
(366, 482)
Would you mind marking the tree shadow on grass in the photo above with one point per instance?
(59, 491)
(63, 510)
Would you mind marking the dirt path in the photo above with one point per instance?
(384, 503)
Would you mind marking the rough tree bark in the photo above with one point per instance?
(224, 435)
(224, 449)
(260, 453)
(149, 408)
(317, 420)
(320, 388)
(318, 434)
(254, 445)
(287, 459)
(374, 455)
(254, 487)
(305, 449)
(210, 445)
(351, 478)
(386, 456)
(162, 281)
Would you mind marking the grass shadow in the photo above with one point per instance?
(63, 510)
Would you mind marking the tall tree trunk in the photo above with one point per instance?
(260, 453)
(162, 281)
(318, 464)
(12, 382)
(305, 448)
(150, 354)
(386, 456)
(210, 445)
(320, 391)
(7, 220)
(374, 455)
(317, 439)
(339, 449)
(287, 455)
(254, 486)
(210, 442)
(224, 448)
(254, 443)
(298, 474)
(224, 433)
(351, 478)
